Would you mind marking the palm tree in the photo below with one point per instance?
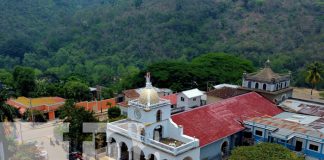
(314, 74)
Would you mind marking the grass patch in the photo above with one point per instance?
(322, 94)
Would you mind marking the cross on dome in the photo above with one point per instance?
(148, 80)
(267, 63)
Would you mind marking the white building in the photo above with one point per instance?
(190, 99)
(149, 133)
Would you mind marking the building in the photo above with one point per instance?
(173, 100)
(219, 126)
(273, 86)
(301, 133)
(222, 91)
(149, 133)
(301, 106)
(190, 99)
(47, 105)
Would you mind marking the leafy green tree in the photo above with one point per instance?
(138, 3)
(114, 112)
(7, 113)
(314, 74)
(212, 67)
(76, 90)
(37, 115)
(24, 79)
(76, 116)
(268, 151)
(6, 78)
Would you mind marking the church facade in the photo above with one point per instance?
(149, 132)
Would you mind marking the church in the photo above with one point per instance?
(204, 133)
(149, 132)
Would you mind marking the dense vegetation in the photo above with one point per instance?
(213, 68)
(269, 151)
(105, 41)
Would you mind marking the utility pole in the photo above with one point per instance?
(31, 108)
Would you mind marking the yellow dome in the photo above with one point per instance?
(149, 96)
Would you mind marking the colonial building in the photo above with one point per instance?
(273, 86)
(149, 133)
(301, 133)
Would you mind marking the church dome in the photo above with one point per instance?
(148, 95)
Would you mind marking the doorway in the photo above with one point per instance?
(299, 146)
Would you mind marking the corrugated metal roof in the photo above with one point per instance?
(218, 120)
(193, 93)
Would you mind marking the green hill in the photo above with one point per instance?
(110, 38)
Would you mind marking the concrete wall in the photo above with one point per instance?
(213, 150)
(269, 86)
(188, 102)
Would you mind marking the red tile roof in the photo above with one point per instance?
(218, 120)
(172, 98)
(131, 93)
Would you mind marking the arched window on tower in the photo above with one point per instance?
(256, 85)
(264, 86)
(249, 84)
(158, 115)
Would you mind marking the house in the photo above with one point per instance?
(301, 133)
(219, 126)
(47, 105)
(149, 133)
(190, 98)
(173, 100)
(273, 86)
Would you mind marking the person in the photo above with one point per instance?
(51, 142)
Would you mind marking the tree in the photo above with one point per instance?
(76, 116)
(24, 79)
(215, 67)
(114, 112)
(314, 74)
(76, 90)
(268, 151)
(138, 3)
(7, 113)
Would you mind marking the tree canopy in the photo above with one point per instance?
(268, 151)
(213, 67)
(106, 39)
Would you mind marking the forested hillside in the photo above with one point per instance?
(105, 40)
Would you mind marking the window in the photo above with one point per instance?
(283, 141)
(256, 86)
(194, 99)
(158, 116)
(182, 99)
(313, 147)
(258, 133)
(249, 84)
(264, 87)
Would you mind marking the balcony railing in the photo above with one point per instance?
(167, 148)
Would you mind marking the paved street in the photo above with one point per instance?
(41, 134)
